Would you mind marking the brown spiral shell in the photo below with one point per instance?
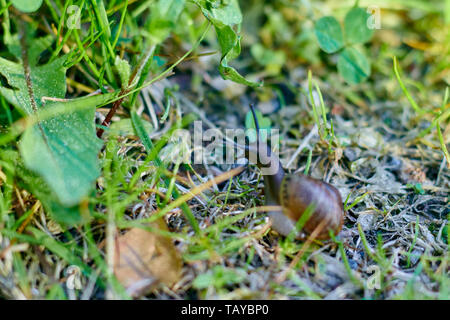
(299, 191)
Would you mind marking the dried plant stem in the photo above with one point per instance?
(124, 91)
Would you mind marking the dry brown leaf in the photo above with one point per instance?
(145, 259)
(413, 173)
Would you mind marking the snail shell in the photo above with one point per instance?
(296, 194)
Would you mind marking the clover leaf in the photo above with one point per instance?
(352, 64)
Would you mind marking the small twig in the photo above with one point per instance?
(124, 91)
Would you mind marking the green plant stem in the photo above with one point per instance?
(405, 90)
(313, 104)
(442, 143)
(6, 24)
(84, 54)
(365, 244)
(322, 106)
(52, 10)
(416, 234)
(122, 19)
(349, 270)
(60, 44)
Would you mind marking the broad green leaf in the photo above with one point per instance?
(229, 42)
(355, 26)
(329, 34)
(230, 45)
(163, 17)
(264, 126)
(221, 13)
(353, 66)
(230, 73)
(62, 149)
(27, 5)
(225, 16)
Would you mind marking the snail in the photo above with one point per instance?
(296, 194)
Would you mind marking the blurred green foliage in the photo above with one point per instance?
(353, 65)
(27, 5)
